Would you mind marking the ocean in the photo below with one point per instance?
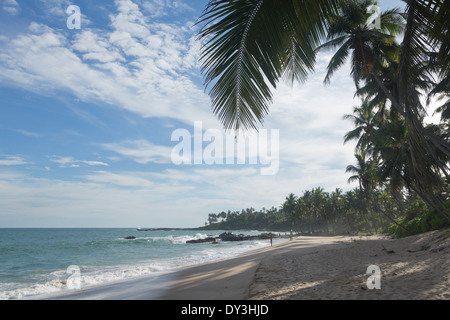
(52, 262)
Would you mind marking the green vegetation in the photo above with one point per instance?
(271, 219)
(419, 219)
(335, 213)
(402, 163)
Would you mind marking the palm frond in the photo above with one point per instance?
(414, 55)
(299, 62)
(392, 22)
(337, 61)
(251, 44)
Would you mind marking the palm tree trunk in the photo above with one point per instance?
(421, 132)
(387, 93)
(391, 219)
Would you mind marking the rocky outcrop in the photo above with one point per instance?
(209, 239)
(229, 236)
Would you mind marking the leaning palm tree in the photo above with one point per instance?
(425, 37)
(366, 172)
(391, 145)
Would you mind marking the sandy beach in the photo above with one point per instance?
(305, 268)
(329, 268)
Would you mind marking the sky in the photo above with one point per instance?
(106, 123)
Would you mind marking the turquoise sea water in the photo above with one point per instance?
(35, 262)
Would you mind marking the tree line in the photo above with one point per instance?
(336, 213)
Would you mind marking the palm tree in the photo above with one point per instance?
(442, 90)
(289, 207)
(425, 37)
(336, 204)
(367, 173)
(363, 172)
(392, 146)
(302, 213)
(376, 94)
(365, 120)
(369, 47)
(250, 45)
(306, 205)
(319, 197)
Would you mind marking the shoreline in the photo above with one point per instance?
(306, 268)
(232, 279)
(145, 287)
(227, 279)
(326, 268)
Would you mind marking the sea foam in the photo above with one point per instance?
(183, 255)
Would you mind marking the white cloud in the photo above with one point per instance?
(39, 28)
(69, 162)
(158, 8)
(123, 180)
(309, 118)
(148, 68)
(140, 66)
(12, 161)
(141, 151)
(55, 8)
(95, 48)
(173, 198)
(28, 133)
(93, 163)
(11, 7)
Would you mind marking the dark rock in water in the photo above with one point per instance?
(130, 238)
(209, 239)
(229, 236)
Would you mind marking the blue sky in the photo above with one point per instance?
(87, 117)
